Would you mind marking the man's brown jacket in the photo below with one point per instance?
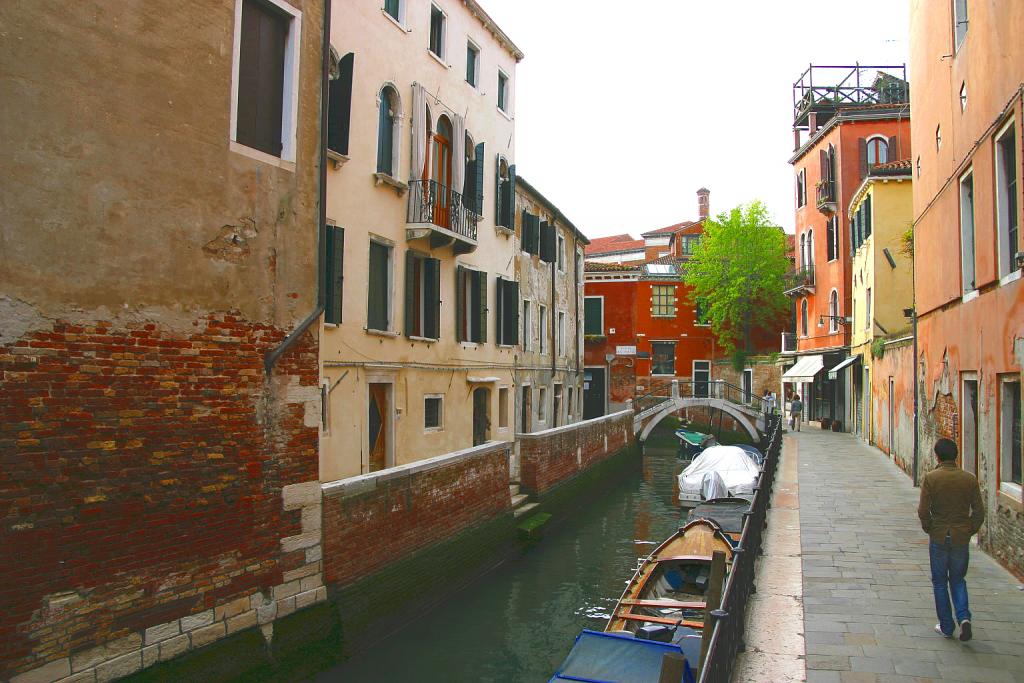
(950, 503)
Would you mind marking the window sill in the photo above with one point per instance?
(432, 430)
(507, 346)
(1010, 495)
(428, 340)
(469, 345)
(394, 21)
(380, 333)
(1010, 277)
(696, 324)
(502, 230)
(399, 187)
(970, 296)
(337, 158)
(503, 112)
(439, 59)
(663, 315)
(246, 151)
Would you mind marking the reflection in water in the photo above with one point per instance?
(518, 622)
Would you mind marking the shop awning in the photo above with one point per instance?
(805, 369)
(849, 361)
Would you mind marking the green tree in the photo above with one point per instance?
(737, 275)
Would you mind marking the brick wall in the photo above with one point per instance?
(375, 520)
(141, 477)
(767, 374)
(553, 456)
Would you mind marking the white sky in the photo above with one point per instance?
(624, 109)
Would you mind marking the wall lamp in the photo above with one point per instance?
(838, 319)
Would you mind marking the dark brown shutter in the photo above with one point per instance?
(823, 161)
(893, 154)
(862, 145)
(410, 295)
(499, 322)
(432, 298)
(481, 279)
(335, 274)
(264, 32)
(460, 304)
(340, 106)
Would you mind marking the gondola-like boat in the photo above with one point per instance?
(727, 513)
(665, 599)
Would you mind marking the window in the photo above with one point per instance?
(701, 312)
(470, 305)
(967, 232)
(542, 401)
(543, 328)
(527, 326)
(801, 188)
(530, 240)
(508, 312)
(395, 8)
(526, 409)
(561, 254)
(339, 104)
(688, 243)
(433, 413)
(867, 311)
(1011, 454)
(502, 91)
(832, 238)
(547, 242)
(663, 301)
(663, 358)
(960, 23)
(437, 30)
(503, 408)
(388, 121)
(833, 311)
(473, 180)
(803, 250)
(803, 317)
(560, 334)
(1006, 200)
(593, 315)
(335, 274)
(878, 151)
(505, 195)
(378, 288)
(422, 296)
(267, 69)
(963, 96)
(556, 408)
(569, 406)
(472, 64)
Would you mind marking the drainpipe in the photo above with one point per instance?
(273, 356)
(913, 321)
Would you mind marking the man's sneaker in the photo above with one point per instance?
(965, 630)
(938, 629)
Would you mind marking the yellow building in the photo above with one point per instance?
(416, 360)
(882, 276)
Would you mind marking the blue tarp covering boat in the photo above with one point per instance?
(613, 658)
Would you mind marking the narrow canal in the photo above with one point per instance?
(519, 621)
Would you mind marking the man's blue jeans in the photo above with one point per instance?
(949, 566)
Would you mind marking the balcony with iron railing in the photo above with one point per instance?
(799, 281)
(826, 196)
(439, 213)
(824, 90)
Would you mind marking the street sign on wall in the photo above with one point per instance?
(625, 350)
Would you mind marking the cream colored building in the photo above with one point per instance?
(549, 270)
(415, 359)
(883, 287)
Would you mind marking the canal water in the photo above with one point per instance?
(518, 622)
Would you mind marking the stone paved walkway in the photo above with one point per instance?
(868, 607)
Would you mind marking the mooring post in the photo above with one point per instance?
(713, 602)
(673, 666)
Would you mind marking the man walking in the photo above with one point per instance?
(951, 512)
(795, 408)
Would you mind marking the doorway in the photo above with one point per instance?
(892, 419)
(969, 430)
(379, 424)
(702, 378)
(527, 407)
(556, 410)
(748, 386)
(441, 171)
(593, 392)
(481, 416)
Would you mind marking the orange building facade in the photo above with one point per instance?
(967, 208)
(846, 120)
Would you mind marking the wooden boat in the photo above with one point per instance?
(727, 513)
(669, 587)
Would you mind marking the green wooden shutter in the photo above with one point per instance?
(410, 295)
(497, 190)
(335, 275)
(499, 323)
(511, 318)
(460, 304)
(547, 242)
(478, 182)
(510, 196)
(867, 217)
(592, 314)
(481, 279)
(468, 191)
(432, 298)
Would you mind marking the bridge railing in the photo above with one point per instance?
(730, 618)
(657, 392)
(719, 389)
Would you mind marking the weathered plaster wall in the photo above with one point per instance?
(892, 425)
(147, 270)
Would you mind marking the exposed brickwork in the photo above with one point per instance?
(373, 521)
(767, 374)
(140, 481)
(553, 456)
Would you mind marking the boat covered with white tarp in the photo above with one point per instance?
(733, 466)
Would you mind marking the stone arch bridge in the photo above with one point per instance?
(666, 399)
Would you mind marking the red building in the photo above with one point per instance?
(846, 120)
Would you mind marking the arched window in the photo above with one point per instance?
(833, 311)
(441, 170)
(504, 197)
(803, 317)
(878, 151)
(473, 181)
(389, 118)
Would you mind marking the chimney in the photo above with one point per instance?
(703, 202)
(812, 123)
